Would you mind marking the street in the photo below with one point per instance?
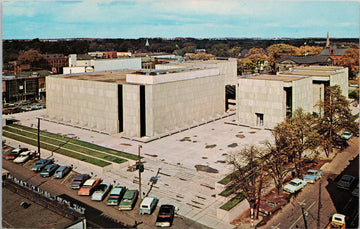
(332, 199)
(97, 213)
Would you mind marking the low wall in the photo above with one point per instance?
(228, 216)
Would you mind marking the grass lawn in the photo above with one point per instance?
(79, 142)
(52, 148)
(233, 202)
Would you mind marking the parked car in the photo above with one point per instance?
(295, 185)
(116, 195)
(346, 182)
(23, 157)
(88, 187)
(165, 216)
(312, 175)
(79, 180)
(14, 153)
(101, 191)
(37, 107)
(23, 103)
(39, 165)
(129, 200)
(272, 205)
(49, 170)
(355, 192)
(148, 205)
(28, 108)
(62, 171)
(346, 135)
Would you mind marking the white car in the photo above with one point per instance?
(23, 157)
(346, 135)
(295, 185)
(101, 191)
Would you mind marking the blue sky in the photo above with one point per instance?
(178, 18)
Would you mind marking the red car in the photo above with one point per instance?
(14, 153)
(89, 186)
(272, 205)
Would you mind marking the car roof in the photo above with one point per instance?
(147, 200)
(62, 168)
(296, 180)
(117, 190)
(312, 171)
(25, 153)
(89, 181)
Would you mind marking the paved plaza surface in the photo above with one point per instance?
(179, 182)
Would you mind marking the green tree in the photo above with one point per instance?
(296, 135)
(336, 117)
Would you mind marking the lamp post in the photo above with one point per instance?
(38, 136)
(140, 171)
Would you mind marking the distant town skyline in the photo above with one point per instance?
(127, 19)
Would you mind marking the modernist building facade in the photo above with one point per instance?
(99, 65)
(137, 103)
(265, 100)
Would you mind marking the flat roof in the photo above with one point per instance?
(283, 78)
(307, 73)
(319, 68)
(111, 76)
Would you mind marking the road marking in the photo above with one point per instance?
(276, 227)
(301, 215)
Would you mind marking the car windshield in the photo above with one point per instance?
(294, 183)
(346, 178)
(312, 173)
(39, 163)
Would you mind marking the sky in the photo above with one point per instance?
(51, 19)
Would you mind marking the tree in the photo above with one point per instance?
(351, 60)
(296, 135)
(257, 56)
(275, 162)
(247, 172)
(276, 51)
(335, 118)
(30, 57)
(310, 50)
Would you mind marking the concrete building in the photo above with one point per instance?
(137, 103)
(98, 65)
(265, 100)
(23, 88)
(226, 67)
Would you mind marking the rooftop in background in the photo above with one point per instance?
(305, 59)
(110, 77)
(283, 78)
(319, 68)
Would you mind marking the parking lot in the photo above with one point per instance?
(177, 156)
(97, 213)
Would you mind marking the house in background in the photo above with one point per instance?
(288, 62)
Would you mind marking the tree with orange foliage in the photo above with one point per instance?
(351, 60)
(30, 57)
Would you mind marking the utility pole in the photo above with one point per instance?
(303, 213)
(38, 136)
(139, 158)
(260, 187)
(319, 205)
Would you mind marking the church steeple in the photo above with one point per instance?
(327, 40)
